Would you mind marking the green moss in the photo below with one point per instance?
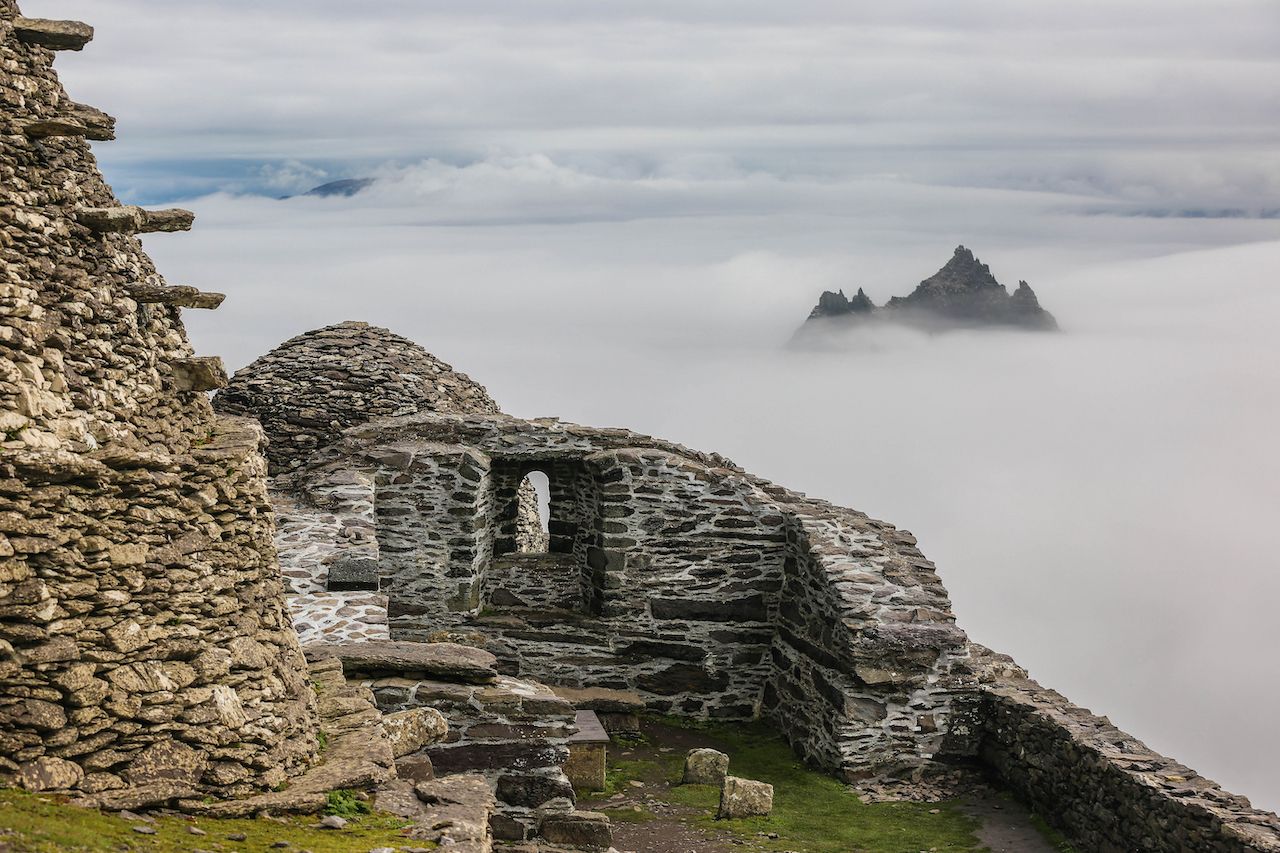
(811, 811)
(344, 803)
(34, 823)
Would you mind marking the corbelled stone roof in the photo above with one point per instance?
(313, 386)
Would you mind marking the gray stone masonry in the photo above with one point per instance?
(143, 634)
(671, 573)
(1102, 787)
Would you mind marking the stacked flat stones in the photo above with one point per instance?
(311, 387)
(143, 640)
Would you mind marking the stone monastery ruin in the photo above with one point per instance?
(181, 626)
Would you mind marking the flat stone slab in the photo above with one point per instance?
(589, 729)
(443, 661)
(601, 699)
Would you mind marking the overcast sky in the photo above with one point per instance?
(618, 213)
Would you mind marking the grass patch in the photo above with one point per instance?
(34, 823)
(629, 815)
(344, 803)
(813, 811)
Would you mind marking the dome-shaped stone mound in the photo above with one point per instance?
(311, 387)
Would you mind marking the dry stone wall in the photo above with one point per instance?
(143, 640)
(1103, 787)
(671, 573)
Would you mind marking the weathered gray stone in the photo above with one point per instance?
(352, 573)
(55, 35)
(199, 373)
(54, 127)
(579, 829)
(442, 660)
(412, 729)
(705, 767)
(181, 296)
(744, 798)
(172, 219)
(49, 774)
(166, 760)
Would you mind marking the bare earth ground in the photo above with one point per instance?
(813, 813)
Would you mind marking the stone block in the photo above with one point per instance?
(705, 767)
(578, 829)
(199, 373)
(411, 730)
(49, 774)
(55, 35)
(534, 789)
(744, 798)
(111, 220)
(347, 573)
(415, 768)
(585, 766)
(166, 760)
(171, 219)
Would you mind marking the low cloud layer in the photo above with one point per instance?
(618, 213)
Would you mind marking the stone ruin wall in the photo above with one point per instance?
(712, 593)
(143, 640)
(1103, 787)
(707, 591)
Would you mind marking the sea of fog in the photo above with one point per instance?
(1102, 503)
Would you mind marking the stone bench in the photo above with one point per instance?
(587, 753)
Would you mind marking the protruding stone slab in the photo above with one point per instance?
(705, 767)
(446, 661)
(130, 219)
(55, 35)
(744, 798)
(46, 128)
(112, 220)
(181, 295)
(99, 126)
(172, 219)
(199, 373)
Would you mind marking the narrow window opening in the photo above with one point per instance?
(533, 514)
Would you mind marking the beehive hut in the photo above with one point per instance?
(143, 639)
